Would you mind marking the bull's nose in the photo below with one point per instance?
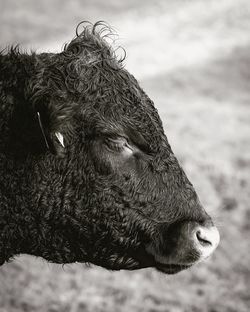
(206, 239)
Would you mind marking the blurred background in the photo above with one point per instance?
(193, 59)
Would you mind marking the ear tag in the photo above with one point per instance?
(59, 138)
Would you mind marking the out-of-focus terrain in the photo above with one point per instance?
(193, 59)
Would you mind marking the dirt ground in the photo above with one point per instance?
(193, 59)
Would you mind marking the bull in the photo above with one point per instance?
(86, 171)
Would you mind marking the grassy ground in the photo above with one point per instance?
(193, 59)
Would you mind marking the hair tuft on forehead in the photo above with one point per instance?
(97, 43)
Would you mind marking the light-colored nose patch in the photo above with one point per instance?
(206, 240)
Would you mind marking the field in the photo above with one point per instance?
(193, 59)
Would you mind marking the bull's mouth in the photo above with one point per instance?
(165, 264)
(149, 260)
(171, 268)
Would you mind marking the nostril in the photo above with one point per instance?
(206, 240)
(207, 237)
(203, 240)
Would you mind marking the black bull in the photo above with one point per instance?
(86, 171)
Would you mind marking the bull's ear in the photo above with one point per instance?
(42, 110)
(54, 109)
(38, 131)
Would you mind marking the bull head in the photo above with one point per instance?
(112, 192)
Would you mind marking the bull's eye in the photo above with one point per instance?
(119, 144)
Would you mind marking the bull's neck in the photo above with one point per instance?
(31, 205)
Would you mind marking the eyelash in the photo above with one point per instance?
(117, 146)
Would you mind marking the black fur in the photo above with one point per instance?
(91, 201)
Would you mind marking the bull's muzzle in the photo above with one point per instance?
(183, 245)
